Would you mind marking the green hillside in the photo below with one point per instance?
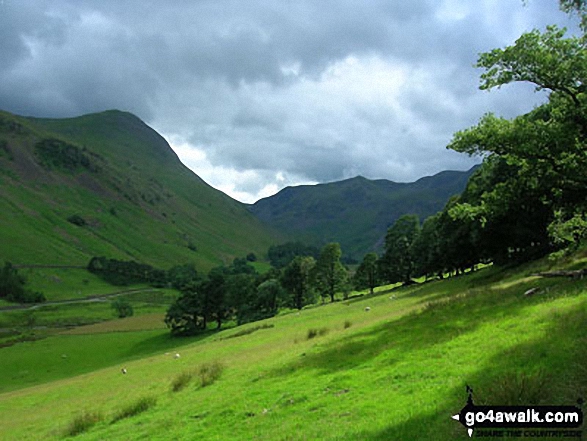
(356, 212)
(392, 366)
(107, 184)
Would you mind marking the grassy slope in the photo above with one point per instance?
(141, 204)
(398, 372)
(355, 212)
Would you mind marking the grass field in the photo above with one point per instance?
(333, 372)
(37, 322)
(67, 283)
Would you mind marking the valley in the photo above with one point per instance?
(395, 371)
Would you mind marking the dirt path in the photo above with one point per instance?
(89, 299)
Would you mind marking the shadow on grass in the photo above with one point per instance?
(163, 342)
(548, 371)
(435, 325)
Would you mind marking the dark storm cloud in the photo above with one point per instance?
(265, 94)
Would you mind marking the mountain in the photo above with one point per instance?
(107, 184)
(355, 212)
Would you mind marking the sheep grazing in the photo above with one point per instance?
(123, 370)
(176, 356)
(368, 308)
(392, 297)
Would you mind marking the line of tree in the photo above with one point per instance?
(238, 292)
(529, 196)
(281, 255)
(127, 272)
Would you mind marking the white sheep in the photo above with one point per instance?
(123, 370)
(368, 308)
(176, 356)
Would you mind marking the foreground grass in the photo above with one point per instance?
(397, 372)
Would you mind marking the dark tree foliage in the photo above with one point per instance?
(535, 186)
(296, 280)
(76, 219)
(122, 272)
(181, 275)
(54, 153)
(367, 275)
(426, 249)
(122, 308)
(241, 294)
(397, 263)
(329, 274)
(214, 297)
(12, 287)
(226, 293)
(281, 255)
(270, 297)
(241, 266)
(188, 314)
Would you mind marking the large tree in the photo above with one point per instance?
(189, 313)
(367, 275)
(329, 273)
(540, 157)
(397, 263)
(297, 280)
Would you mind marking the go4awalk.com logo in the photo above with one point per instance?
(537, 421)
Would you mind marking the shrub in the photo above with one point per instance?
(27, 296)
(313, 332)
(209, 373)
(141, 405)
(122, 308)
(76, 219)
(347, 324)
(181, 381)
(515, 389)
(54, 153)
(82, 423)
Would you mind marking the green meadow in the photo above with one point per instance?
(397, 371)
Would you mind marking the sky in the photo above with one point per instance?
(257, 95)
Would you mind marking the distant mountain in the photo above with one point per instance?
(107, 184)
(355, 212)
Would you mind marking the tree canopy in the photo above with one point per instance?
(533, 183)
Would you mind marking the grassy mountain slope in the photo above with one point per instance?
(137, 200)
(356, 212)
(395, 372)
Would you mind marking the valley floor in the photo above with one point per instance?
(396, 371)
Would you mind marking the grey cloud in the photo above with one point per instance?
(252, 83)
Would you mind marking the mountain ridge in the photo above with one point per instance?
(135, 198)
(356, 212)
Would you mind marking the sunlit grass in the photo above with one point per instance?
(398, 372)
